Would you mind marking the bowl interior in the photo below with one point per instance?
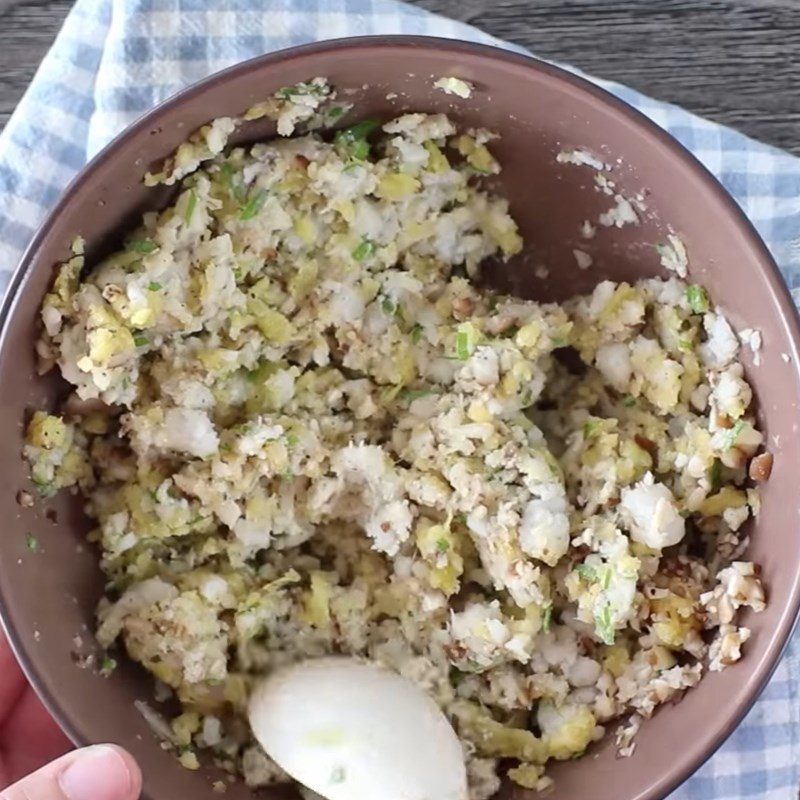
(49, 596)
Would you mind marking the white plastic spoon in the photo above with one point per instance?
(355, 731)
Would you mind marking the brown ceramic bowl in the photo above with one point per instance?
(48, 597)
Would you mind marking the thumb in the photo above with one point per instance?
(103, 772)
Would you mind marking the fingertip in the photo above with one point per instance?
(101, 772)
(134, 772)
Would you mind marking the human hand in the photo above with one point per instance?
(29, 739)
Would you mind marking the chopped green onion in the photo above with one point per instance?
(31, 543)
(416, 333)
(141, 341)
(389, 306)
(253, 205)
(142, 246)
(587, 572)
(715, 475)
(591, 428)
(547, 617)
(466, 340)
(442, 545)
(335, 112)
(604, 624)
(107, 666)
(190, 206)
(226, 173)
(462, 346)
(629, 401)
(733, 434)
(415, 394)
(364, 249)
(605, 579)
(288, 92)
(154, 286)
(354, 139)
(698, 299)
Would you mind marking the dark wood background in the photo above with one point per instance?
(735, 61)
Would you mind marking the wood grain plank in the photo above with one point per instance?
(735, 61)
(27, 30)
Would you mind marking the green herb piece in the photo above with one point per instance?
(364, 249)
(685, 346)
(442, 545)
(605, 578)
(586, 572)
(226, 174)
(462, 346)
(44, 488)
(239, 193)
(154, 286)
(142, 246)
(353, 140)
(141, 341)
(604, 624)
(591, 428)
(288, 92)
(31, 542)
(698, 299)
(190, 206)
(547, 617)
(335, 112)
(466, 340)
(732, 434)
(292, 439)
(389, 306)
(107, 666)
(715, 475)
(416, 333)
(415, 394)
(253, 205)
(629, 401)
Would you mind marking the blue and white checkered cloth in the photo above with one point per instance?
(114, 59)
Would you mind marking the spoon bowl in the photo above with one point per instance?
(355, 731)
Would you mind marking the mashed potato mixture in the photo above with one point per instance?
(301, 429)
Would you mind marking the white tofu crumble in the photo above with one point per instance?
(581, 157)
(301, 428)
(455, 86)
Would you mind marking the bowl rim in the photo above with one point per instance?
(779, 638)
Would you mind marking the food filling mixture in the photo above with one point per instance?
(301, 429)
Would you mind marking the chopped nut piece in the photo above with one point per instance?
(761, 467)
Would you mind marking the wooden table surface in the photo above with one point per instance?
(735, 61)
